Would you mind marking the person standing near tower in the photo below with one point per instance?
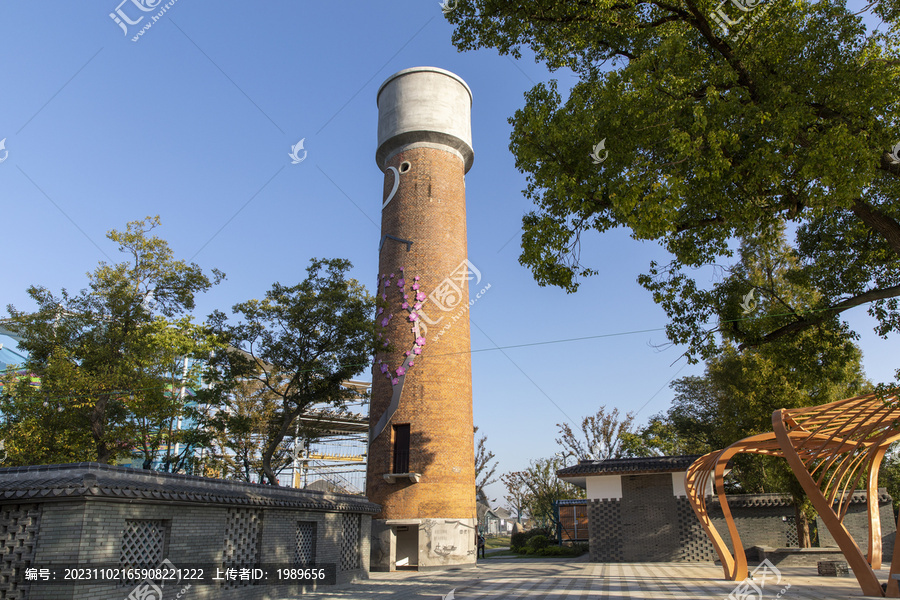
(421, 463)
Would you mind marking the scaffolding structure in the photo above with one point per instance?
(330, 446)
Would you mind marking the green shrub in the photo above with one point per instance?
(518, 541)
(540, 545)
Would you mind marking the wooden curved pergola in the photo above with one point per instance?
(829, 448)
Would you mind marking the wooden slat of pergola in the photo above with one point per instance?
(829, 448)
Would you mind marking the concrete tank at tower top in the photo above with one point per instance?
(424, 105)
(421, 465)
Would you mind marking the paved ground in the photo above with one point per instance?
(578, 579)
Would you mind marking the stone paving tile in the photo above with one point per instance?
(536, 579)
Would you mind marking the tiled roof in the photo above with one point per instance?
(753, 500)
(47, 483)
(613, 466)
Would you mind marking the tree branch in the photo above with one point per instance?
(802, 324)
(700, 223)
(880, 222)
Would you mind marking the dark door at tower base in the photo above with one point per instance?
(407, 546)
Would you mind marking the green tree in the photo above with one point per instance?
(484, 467)
(109, 358)
(736, 398)
(600, 436)
(517, 494)
(741, 389)
(169, 424)
(47, 428)
(301, 343)
(889, 476)
(711, 138)
(545, 488)
(659, 437)
(243, 425)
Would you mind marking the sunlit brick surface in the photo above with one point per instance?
(429, 210)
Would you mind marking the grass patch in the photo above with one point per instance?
(500, 554)
(536, 550)
(497, 542)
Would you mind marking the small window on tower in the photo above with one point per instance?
(401, 448)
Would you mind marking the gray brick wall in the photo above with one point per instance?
(196, 535)
(650, 531)
(695, 544)
(19, 526)
(86, 529)
(649, 524)
(605, 527)
(856, 522)
(757, 525)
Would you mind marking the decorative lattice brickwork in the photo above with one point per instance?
(695, 545)
(605, 524)
(19, 525)
(790, 533)
(305, 553)
(242, 531)
(350, 540)
(143, 543)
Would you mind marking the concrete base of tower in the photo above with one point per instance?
(423, 544)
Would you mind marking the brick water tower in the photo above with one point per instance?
(421, 464)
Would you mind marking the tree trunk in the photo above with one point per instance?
(273, 443)
(98, 427)
(802, 527)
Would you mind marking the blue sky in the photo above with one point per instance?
(195, 121)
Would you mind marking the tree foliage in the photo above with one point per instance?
(169, 424)
(485, 466)
(545, 488)
(300, 343)
(738, 393)
(518, 495)
(711, 138)
(111, 359)
(246, 422)
(889, 476)
(659, 437)
(740, 390)
(600, 436)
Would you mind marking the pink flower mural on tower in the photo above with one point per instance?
(397, 375)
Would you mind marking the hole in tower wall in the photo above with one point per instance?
(405, 166)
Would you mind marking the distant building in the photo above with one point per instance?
(506, 521)
(9, 356)
(496, 522)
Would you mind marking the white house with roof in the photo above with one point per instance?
(637, 510)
